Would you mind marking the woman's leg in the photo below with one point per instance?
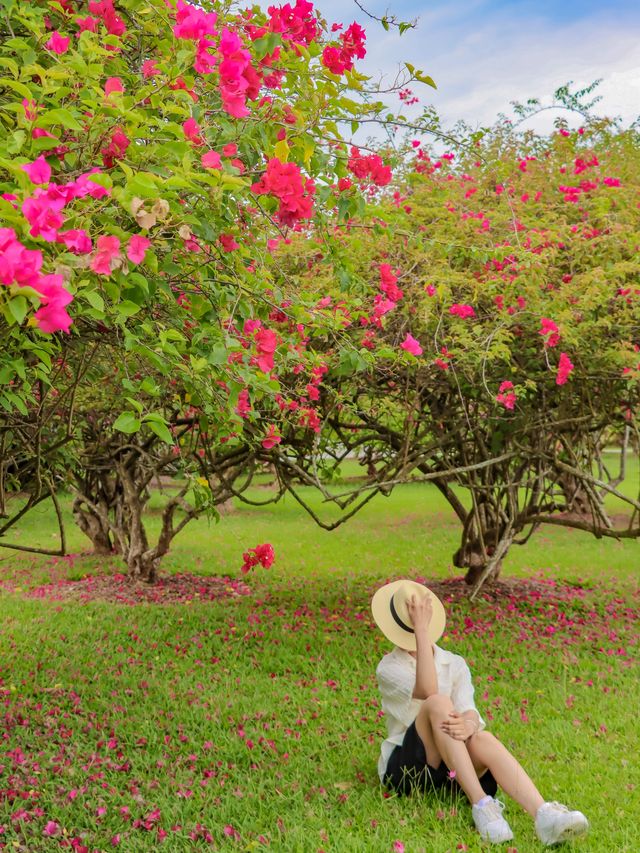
(485, 751)
(440, 746)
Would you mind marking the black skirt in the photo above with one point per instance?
(408, 769)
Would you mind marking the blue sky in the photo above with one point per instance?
(485, 53)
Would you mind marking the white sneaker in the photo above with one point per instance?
(555, 823)
(490, 823)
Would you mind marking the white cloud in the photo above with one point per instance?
(481, 65)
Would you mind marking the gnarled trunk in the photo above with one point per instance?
(94, 527)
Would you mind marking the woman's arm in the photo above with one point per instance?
(420, 611)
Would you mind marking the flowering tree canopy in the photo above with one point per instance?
(153, 156)
(495, 338)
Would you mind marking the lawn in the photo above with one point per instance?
(247, 715)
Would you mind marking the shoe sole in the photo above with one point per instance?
(575, 831)
(571, 832)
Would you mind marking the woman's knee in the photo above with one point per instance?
(436, 705)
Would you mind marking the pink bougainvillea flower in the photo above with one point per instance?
(411, 345)
(211, 160)
(193, 23)
(57, 43)
(463, 311)
(42, 212)
(149, 69)
(31, 109)
(285, 182)
(506, 395)
(51, 828)
(243, 406)
(295, 23)
(39, 171)
(548, 327)
(272, 438)
(397, 847)
(388, 283)
(228, 242)
(230, 149)
(89, 24)
(340, 59)
(76, 240)
(238, 79)
(266, 342)
(116, 148)
(191, 130)
(104, 9)
(565, 367)
(53, 316)
(113, 84)
(84, 186)
(137, 248)
(369, 167)
(261, 554)
(108, 250)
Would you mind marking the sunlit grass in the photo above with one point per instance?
(256, 719)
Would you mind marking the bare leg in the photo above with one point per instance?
(440, 746)
(486, 751)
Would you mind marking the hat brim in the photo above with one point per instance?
(405, 639)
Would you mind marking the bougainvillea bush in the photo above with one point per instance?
(495, 344)
(152, 157)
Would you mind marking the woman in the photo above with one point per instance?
(435, 733)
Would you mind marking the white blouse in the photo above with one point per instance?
(396, 674)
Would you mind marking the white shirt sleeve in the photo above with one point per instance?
(396, 682)
(462, 691)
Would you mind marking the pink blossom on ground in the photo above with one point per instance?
(397, 847)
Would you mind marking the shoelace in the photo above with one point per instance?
(558, 807)
(495, 809)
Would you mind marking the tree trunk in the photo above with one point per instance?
(471, 558)
(575, 495)
(93, 527)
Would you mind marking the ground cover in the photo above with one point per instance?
(240, 712)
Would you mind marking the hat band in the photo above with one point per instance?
(397, 619)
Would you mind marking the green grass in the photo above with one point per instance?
(110, 706)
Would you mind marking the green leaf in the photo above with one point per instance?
(59, 116)
(18, 306)
(127, 422)
(160, 428)
(16, 141)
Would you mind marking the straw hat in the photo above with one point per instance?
(389, 609)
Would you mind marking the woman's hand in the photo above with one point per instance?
(420, 611)
(459, 727)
